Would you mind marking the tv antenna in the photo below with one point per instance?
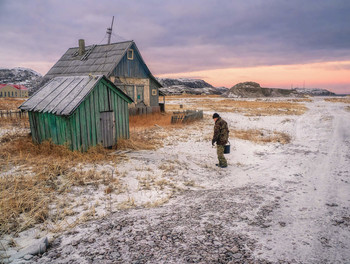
(109, 31)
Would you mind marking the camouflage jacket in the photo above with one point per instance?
(220, 132)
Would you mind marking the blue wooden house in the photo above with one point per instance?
(121, 63)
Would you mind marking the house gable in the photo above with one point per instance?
(131, 65)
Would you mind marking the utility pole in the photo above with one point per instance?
(109, 31)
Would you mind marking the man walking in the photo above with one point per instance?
(221, 138)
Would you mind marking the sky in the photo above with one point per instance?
(277, 43)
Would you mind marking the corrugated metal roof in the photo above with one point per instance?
(62, 95)
(97, 60)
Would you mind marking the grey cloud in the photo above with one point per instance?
(178, 36)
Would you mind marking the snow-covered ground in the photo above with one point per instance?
(274, 203)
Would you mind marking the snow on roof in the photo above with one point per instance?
(97, 60)
(62, 95)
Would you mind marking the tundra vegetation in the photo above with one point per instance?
(257, 107)
(344, 100)
(53, 189)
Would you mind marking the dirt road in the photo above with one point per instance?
(273, 204)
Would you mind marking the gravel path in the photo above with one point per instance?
(196, 227)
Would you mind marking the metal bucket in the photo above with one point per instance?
(227, 148)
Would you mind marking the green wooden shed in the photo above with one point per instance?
(80, 111)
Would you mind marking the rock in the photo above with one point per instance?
(28, 257)
(237, 256)
(54, 255)
(35, 249)
(75, 243)
(234, 249)
(283, 224)
(331, 204)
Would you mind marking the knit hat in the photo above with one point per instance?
(215, 115)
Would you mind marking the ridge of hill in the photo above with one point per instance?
(253, 89)
(19, 75)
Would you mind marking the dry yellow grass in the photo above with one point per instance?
(150, 120)
(141, 140)
(10, 103)
(253, 108)
(345, 100)
(261, 136)
(246, 107)
(14, 122)
(298, 100)
(169, 97)
(36, 175)
(24, 202)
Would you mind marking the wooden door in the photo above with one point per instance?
(107, 128)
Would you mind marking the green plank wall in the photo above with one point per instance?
(81, 130)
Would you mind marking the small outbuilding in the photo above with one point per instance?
(80, 111)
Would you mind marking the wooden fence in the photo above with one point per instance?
(13, 114)
(186, 116)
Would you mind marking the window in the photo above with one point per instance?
(5, 94)
(16, 94)
(12, 94)
(154, 91)
(130, 54)
(139, 90)
(0, 94)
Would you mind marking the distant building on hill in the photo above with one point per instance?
(121, 63)
(13, 90)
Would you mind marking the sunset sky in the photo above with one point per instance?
(277, 43)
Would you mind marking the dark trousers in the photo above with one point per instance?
(221, 157)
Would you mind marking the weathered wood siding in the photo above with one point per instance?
(154, 99)
(131, 68)
(45, 126)
(82, 129)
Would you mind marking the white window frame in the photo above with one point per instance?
(130, 51)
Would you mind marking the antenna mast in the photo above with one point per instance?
(109, 31)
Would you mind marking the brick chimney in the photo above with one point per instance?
(81, 47)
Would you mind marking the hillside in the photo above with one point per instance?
(188, 86)
(23, 76)
(253, 89)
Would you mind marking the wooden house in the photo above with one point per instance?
(121, 63)
(80, 111)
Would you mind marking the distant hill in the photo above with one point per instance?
(313, 91)
(23, 76)
(188, 86)
(253, 89)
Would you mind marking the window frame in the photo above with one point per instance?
(132, 54)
